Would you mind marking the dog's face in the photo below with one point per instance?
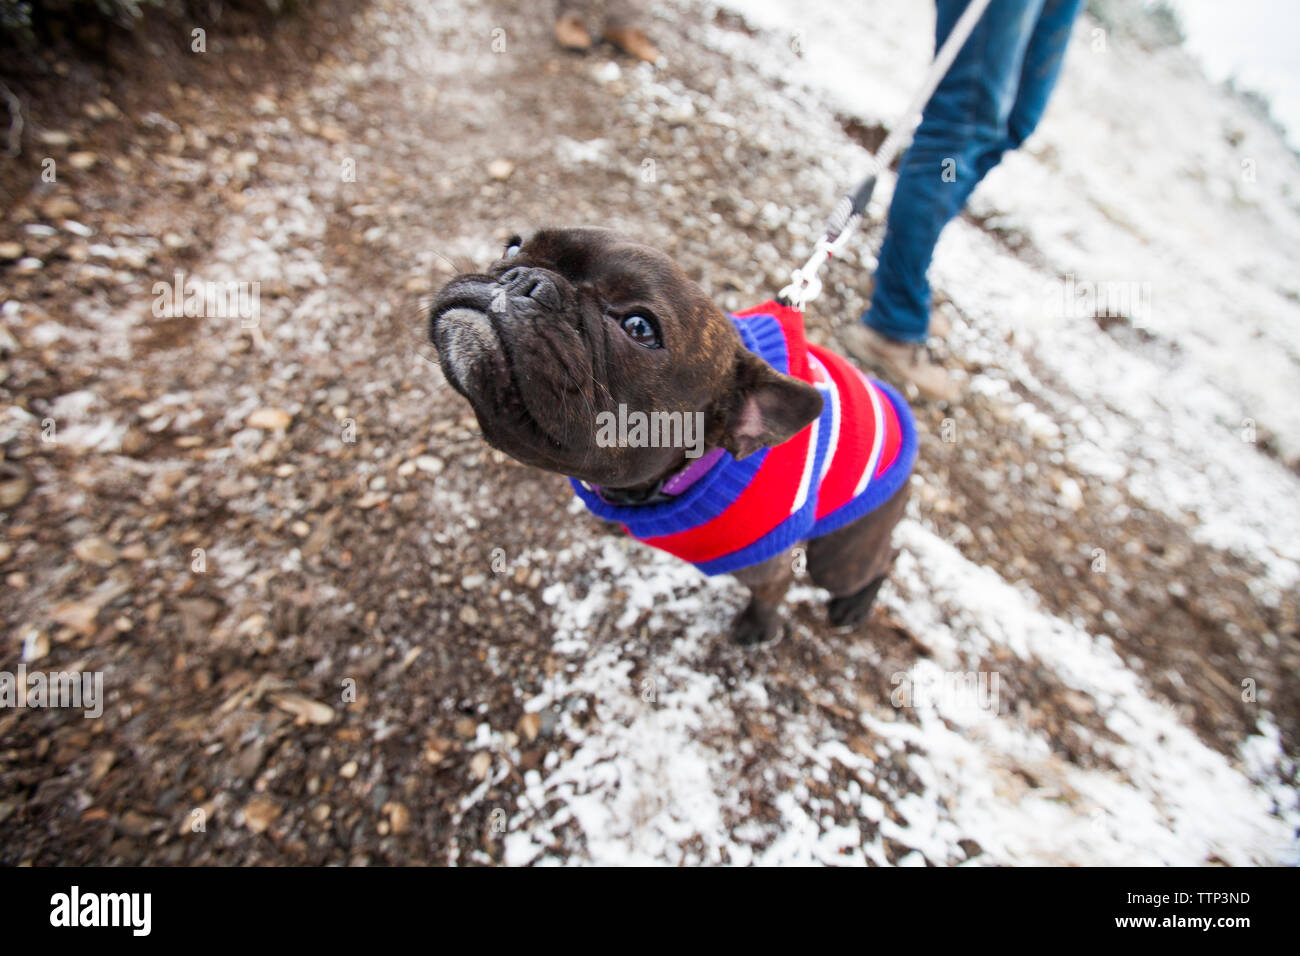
(574, 323)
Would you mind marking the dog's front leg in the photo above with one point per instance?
(760, 622)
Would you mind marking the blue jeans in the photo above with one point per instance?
(990, 101)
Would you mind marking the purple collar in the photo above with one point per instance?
(670, 487)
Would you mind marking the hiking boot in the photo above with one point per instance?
(905, 362)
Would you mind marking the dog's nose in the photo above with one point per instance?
(534, 284)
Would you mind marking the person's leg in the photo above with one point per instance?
(967, 115)
(1044, 57)
(1043, 60)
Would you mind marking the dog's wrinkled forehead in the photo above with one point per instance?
(605, 258)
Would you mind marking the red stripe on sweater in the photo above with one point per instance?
(760, 508)
(768, 499)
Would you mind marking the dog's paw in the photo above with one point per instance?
(756, 627)
(852, 609)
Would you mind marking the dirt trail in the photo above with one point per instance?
(466, 638)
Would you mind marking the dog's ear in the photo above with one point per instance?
(764, 407)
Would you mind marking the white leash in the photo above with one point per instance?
(805, 284)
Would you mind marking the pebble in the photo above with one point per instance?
(430, 464)
(468, 615)
(101, 765)
(11, 250)
(82, 160)
(435, 750)
(399, 817)
(500, 169)
(97, 551)
(78, 615)
(60, 207)
(530, 725)
(480, 764)
(260, 813)
(269, 419)
(348, 770)
(307, 711)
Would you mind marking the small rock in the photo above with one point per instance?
(307, 711)
(348, 770)
(60, 207)
(500, 169)
(468, 615)
(78, 615)
(436, 750)
(430, 464)
(530, 725)
(480, 765)
(260, 813)
(399, 817)
(269, 419)
(95, 550)
(466, 727)
(82, 160)
(101, 765)
(11, 250)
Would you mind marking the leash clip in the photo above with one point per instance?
(805, 284)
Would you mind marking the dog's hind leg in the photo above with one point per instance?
(853, 561)
(853, 608)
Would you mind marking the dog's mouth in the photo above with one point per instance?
(477, 359)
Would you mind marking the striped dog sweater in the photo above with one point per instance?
(844, 464)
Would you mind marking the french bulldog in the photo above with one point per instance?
(568, 331)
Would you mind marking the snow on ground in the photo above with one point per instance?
(1144, 176)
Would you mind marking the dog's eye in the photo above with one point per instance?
(512, 247)
(641, 331)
